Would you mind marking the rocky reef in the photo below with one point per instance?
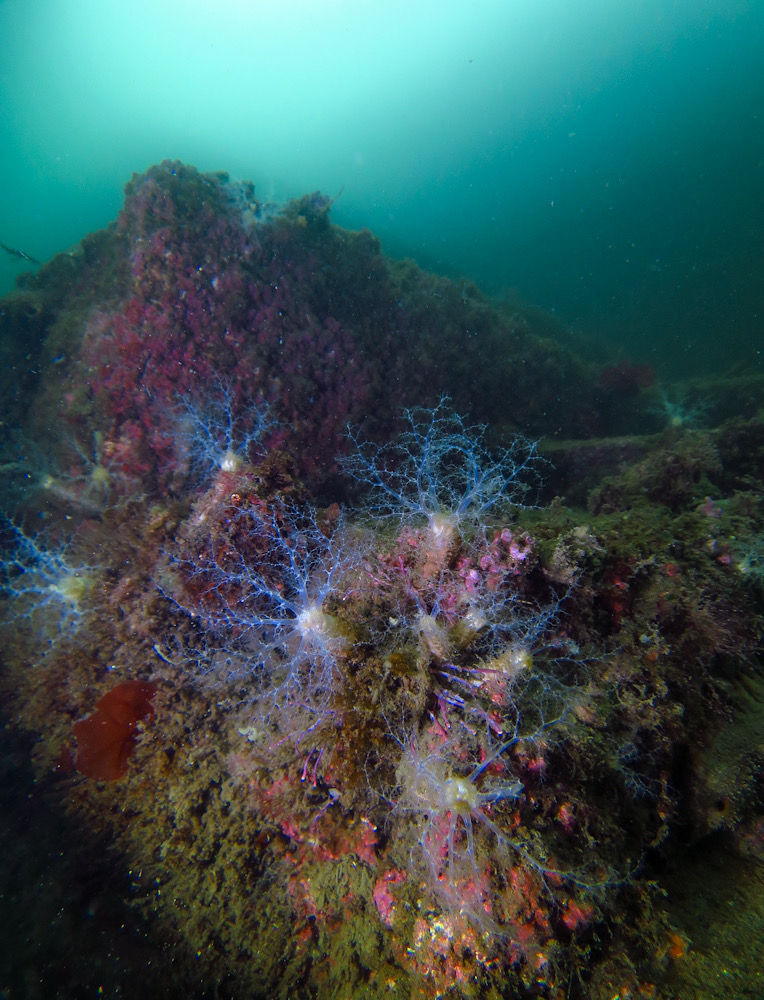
(385, 646)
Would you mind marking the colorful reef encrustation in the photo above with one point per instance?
(397, 650)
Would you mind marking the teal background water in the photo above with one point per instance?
(601, 161)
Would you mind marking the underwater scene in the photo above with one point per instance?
(372, 622)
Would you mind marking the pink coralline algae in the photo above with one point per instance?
(208, 301)
(384, 900)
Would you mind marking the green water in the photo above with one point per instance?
(600, 161)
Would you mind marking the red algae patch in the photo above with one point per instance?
(106, 738)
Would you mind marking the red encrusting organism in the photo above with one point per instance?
(106, 738)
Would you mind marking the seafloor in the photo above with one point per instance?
(362, 636)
